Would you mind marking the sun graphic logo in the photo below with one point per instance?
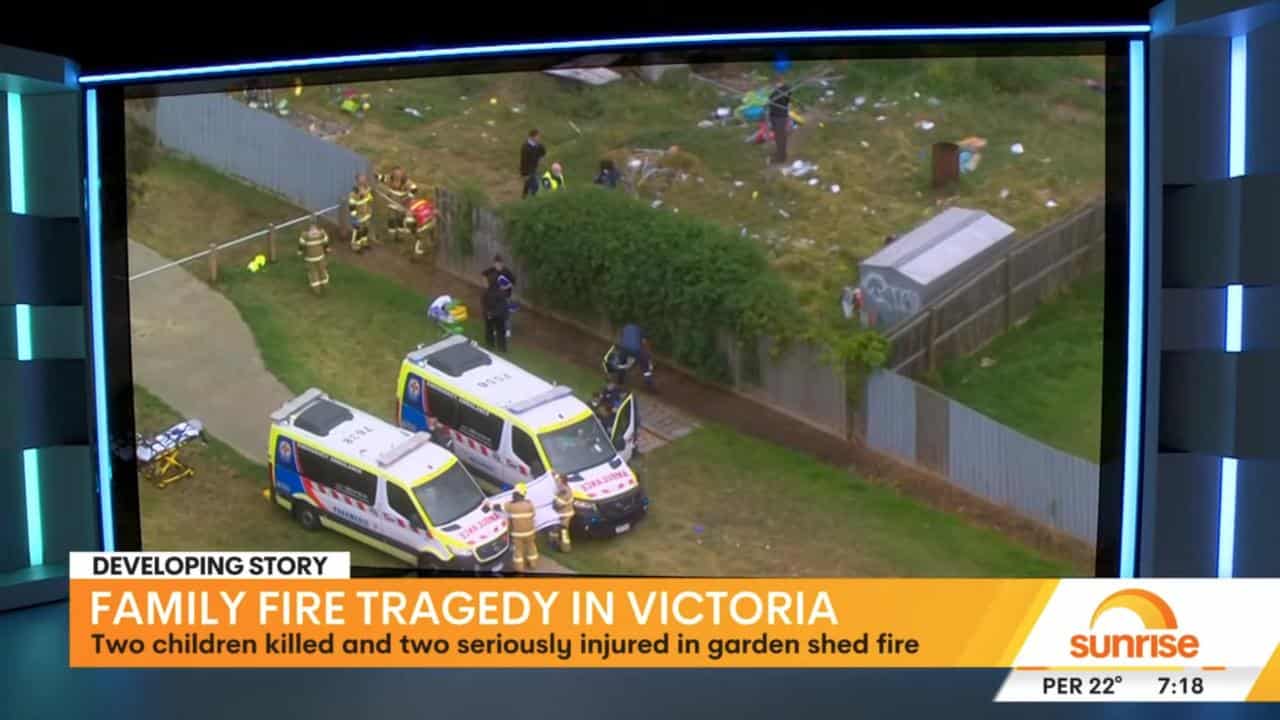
(1162, 639)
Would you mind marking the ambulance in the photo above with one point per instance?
(510, 426)
(336, 467)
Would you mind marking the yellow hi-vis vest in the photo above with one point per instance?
(360, 205)
(551, 182)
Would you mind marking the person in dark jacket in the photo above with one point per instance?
(608, 175)
(495, 317)
(531, 153)
(499, 273)
(780, 117)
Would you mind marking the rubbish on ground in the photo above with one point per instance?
(972, 143)
(723, 112)
(755, 194)
(987, 362)
(634, 163)
(1095, 85)
(462, 98)
(587, 76)
(829, 93)
(1017, 149)
(706, 124)
(784, 213)
(835, 189)
(859, 101)
(493, 101)
(258, 262)
(575, 127)
(969, 161)
(412, 111)
(700, 180)
(1051, 204)
(925, 125)
(915, 95)
(1046, 160)
(1004, 193)
(675, 210)
(656, 204)
(743, 233)
(881, 118)
(517, 109)
(864, 143)
(935, 102)
(490, 123)
(799, 168)
(813, 182)
(738, 183)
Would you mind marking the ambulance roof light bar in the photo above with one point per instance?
(403, 448)
(541, 398)
(297, 404)
(423, 352)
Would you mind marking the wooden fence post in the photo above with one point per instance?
(1008, 292)
(931, 349)
(213, 262)
(271, 242)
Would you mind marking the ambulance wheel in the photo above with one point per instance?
(306, 515)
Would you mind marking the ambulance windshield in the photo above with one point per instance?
(577, 447)
(449, 496)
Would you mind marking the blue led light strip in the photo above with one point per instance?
(1227, 520)
(605, 43)
(1239, 81)
(103, 445)
(17, 155)
(1137, 306)
(35, 523)
(1234, 341)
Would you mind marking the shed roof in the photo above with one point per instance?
(941, 244)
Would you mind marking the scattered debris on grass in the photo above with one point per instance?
(881, 118)
(925, 125)
(1051, 204)
(835, 189)
(935, 102)
(1017, 149)
(987, 362)
(1004, 193)
(415, 112)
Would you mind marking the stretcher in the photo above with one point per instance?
(158, 455)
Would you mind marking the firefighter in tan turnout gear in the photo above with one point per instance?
(563, 504)
(360, 205)
(524, 543)
(399, 192)
(313, 246)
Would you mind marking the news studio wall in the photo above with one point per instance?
(47, 483)
(1210, 487)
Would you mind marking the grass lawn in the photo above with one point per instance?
(221, 507)
(1047, 377)
(767, 510)
(472, 127)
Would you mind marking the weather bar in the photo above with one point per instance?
(1128, 685)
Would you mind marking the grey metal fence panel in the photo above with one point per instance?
(891, 415)
(258, 147)
(1008, 468)
(801, 382)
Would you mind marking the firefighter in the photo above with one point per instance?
(360, 205)
(399, 191)
(563, 504)
(553, 179)
(313, 246)
(420, 223)
(524, 543)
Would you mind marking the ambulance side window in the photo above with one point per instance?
(522, 445)
(442, 406)
(353, 483)
(482, 426)
(400, 502)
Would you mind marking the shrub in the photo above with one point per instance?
(591, 252)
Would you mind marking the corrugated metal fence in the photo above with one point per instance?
(258, 147)
(986, 458)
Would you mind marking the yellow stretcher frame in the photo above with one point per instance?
(166, 469)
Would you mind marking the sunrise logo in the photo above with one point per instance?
(1161, 641)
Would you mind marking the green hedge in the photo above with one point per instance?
(592, 252)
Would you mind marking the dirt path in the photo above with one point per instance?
(192, 349)
(686, 395)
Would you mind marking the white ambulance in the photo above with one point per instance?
(334, 466)
(510, 426)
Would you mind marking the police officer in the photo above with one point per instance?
(553, 179)
(360, 205)
(563, 504)
(524, 544)
(313, 246)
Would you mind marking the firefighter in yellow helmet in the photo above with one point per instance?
(399, 192)
(524, 543)
(360, 205)
(313, 246)
(563, 504)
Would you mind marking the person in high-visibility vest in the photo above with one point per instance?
(420, 221)
(563, 504)
(553, 179)
(524, 544)
(313, 246)
(360, 205)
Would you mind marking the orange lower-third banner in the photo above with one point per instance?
(1062, 639)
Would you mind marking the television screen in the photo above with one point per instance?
(756, 314)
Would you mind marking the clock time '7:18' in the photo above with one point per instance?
(1181, 686)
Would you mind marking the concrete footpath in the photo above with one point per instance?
(192, 349)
